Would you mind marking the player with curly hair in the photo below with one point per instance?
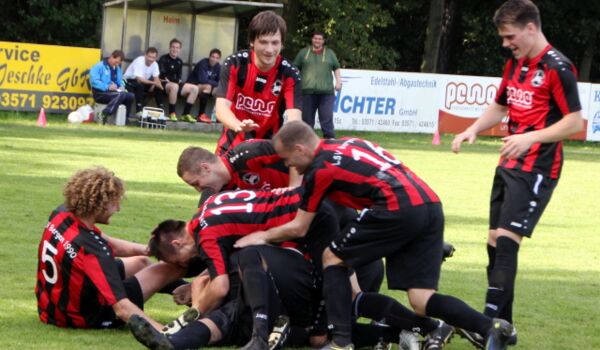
(80, 284)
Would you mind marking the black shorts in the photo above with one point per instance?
(234, 320)
(518, 200)
(107, 317)
(294, 281)
(410, 239)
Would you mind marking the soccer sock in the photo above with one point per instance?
(502, 279)
(169, 288)
(203, 101)
(256, 290)
(192, 336)
(338, 298)
(457, 313)
(172, 108)
(387, 310)
(491, 261)
(187, 108)
(364, 335)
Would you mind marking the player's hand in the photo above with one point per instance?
(317, 341)
(256, 238)
(338, 86)
(182, 295)
(515, 145)
(112, 87)
(158, 85)
(246, 125)
(466, 135)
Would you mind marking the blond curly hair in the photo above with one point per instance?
(90, 191)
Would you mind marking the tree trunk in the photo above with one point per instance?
(290, 14)
(585, 66)
(433, 36)
(447, 40)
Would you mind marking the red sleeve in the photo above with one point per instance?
(227, 80)
(292, 89)
(316, 184)
(211, 252)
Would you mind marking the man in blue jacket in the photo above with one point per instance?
(206, 75)
(106, 79)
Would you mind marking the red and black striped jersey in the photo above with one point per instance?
(254, 165)
(77, 274)
(227, 216)
(257, 95)
(359, 174)
(538, 93)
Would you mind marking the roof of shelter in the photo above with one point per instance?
(224, 7)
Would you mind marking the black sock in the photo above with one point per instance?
(364, 335)
(193, 336)
(203, 101)
(169, 288)
(337, 292)
(387, 310)
(256, 291)
(502, 278)
(187, 108)
(172, 108)
(457, 313)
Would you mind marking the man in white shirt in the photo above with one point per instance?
(142, 76)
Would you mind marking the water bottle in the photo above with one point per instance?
(121, 115)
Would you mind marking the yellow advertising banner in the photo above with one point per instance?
(56, 78)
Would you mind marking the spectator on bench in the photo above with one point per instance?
(142, 77)
(106, 79)
(206, 75)
(170, 67)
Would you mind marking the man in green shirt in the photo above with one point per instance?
(316, 63)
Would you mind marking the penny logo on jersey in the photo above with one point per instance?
(254, 106)
(519, 97)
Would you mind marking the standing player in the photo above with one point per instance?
(170, 67)
(79, 282)
(539, 93)
(257, 86)
(401, 219)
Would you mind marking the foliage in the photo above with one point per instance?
(59, 22)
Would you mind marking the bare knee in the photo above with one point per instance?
(418, 299)
(329, 258)
(135, 264)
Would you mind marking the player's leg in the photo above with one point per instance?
(156, 277)
(190, 92)
(134, 264)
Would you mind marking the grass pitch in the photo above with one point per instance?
(557, 294)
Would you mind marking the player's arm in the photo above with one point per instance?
(124, 308)
(338, 79)
(515, 145)
(492, 115)
(295, 178)
(293, 114)
(296, 228)
(123, 248)
(229, 120)
(209, 296)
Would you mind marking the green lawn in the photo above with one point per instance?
(557, 296)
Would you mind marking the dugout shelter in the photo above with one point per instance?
(134, 25)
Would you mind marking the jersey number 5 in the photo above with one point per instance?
(47, 256)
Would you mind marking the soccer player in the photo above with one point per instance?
(170, 67)
(539, 94)
(227, 216)
(257, 86)
(80, 284)
(401, 219)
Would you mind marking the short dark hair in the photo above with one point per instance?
(191, 157)
(518, 13)
(118, 54)
(215, 50)
(265, 23)
(175, 40)
(295, 132)
(159, 244)
(151, 49)
(318, 32)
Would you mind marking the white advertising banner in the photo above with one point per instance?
(387, 101)
(593, 114)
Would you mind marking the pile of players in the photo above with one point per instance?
(287, 244)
